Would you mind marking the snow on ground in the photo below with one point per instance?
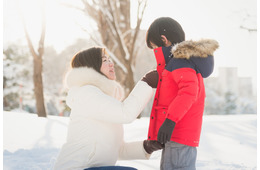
(32, 143)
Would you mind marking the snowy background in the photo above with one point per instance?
(228, 141)
(32, 143)
(232, 23)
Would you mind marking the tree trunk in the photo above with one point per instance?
(38, 86)
(37, 66)
(114, 25)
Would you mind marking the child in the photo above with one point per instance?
(177, 111)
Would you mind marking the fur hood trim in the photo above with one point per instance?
(78, 77)
(201, 48)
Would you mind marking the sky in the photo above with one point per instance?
(215, 19)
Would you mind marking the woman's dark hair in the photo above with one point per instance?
(91, 57)
(166, 26)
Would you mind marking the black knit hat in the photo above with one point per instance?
(166, 26)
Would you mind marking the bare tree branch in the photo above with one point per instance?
(248, 29)
(29, 42)
(137, 28)
(114, 25)
(41, 42)
(122, 47)
(111, 54)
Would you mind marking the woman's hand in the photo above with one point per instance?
(151, 78)
(152, 145)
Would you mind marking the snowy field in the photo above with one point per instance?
(32, 143)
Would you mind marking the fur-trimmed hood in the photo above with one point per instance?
(199, 53)
(202, 48)
(82, 76)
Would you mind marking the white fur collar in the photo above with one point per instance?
(201, 48)
(81, 76)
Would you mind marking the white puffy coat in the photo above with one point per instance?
(95, 132)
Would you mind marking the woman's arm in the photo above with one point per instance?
(97, 105)
(133, 150)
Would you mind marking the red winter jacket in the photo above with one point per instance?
(180, 93)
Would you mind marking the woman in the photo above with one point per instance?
(95, 132)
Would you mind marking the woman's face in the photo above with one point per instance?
(107, 67)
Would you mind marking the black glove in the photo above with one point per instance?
(151, 78)
(152, 145)
(165, 131)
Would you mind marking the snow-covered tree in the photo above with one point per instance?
(18, 92)
(246, 105)
(115, 33)
(17, 76)
(55, 66)
(230, 103)
(214, 102)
